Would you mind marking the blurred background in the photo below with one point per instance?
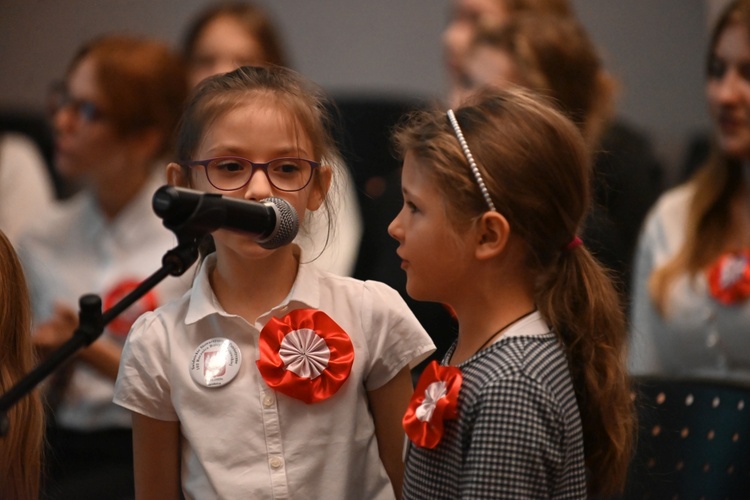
(654, 48)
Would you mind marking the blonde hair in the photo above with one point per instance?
(536, 167)
(708, 226)
(21, 448)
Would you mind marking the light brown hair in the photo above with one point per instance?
(555, 57)
(143, 82)
(715, 186)
(537, 168)
(21, 448)
(256, 22)
(275, 86)
(551, 7)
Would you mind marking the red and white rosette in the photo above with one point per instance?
(305, 355)
(729, 277)
(434, 400)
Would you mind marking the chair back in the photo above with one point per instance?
(693, 440)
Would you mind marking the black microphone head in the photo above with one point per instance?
(287, 223)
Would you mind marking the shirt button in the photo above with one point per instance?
(267, 401)
(276, 462)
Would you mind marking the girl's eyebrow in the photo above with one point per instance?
(231, 150)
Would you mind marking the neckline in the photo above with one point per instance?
(493, 336)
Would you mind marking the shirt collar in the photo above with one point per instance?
(305, 291)
(533, 324)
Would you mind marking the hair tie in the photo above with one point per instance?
(575, 242)
(470, 159)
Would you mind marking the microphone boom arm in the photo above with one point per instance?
(92, 321)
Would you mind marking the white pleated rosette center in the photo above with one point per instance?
(304, 353)
(432, 395)
(732, 270)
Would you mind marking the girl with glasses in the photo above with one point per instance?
(270, 378)
(228, 34)
(534, 391)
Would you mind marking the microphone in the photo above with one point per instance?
(273, 221)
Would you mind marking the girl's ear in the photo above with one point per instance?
(322, 182)
(175, 175)
(493, 234)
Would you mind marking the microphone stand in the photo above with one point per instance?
(175, 262)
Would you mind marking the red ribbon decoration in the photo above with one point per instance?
(431, 405)
(120, 326)
(729, 277)
(280, 378)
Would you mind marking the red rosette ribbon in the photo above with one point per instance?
(305, 355)
(434, 400)
(729, 277)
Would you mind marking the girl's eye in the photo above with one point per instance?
(230, 166)
(286, 167)
(744, 71)
(411, 206)
(716, 69)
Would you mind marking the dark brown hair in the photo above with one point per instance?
(21, 448)
(536, 167)
(143, 82)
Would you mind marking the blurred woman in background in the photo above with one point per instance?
(114, 121)
(691, 313)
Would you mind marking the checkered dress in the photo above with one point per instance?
(518, 434)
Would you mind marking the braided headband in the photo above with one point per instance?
(470, 159)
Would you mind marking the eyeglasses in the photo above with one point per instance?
(229, 173)
(85, 109)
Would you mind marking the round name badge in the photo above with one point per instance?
(215, 362)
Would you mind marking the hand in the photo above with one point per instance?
(57, 330)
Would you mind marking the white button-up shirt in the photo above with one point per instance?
(244, 440)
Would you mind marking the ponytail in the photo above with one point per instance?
(577, 297)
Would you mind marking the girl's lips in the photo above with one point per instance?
(404, 262)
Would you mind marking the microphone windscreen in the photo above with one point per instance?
(287, 224)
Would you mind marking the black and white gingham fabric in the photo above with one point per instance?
(518, 434)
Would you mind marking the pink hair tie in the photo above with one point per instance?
(575, 242)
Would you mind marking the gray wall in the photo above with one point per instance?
(654, 47)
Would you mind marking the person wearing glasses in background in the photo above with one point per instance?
(113, 125)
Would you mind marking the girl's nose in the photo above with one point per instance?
(394, 228)
(63, 119)
(259, 187)
(729, 87)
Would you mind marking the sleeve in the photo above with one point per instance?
(517, 445)
(143, 384)
(25, 187)
(643, 353)
(395, 337)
